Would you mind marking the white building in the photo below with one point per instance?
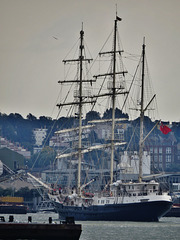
(39, 136)
(130, 163)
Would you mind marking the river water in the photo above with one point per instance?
(165, 229)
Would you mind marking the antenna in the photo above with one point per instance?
(143, 40)
(116, 9)
(117, 18)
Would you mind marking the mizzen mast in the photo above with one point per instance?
(141, 141)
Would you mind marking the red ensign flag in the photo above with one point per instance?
(164, 129)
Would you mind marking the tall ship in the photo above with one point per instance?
(121, 200)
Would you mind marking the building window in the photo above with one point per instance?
(105, 133)
(168, 150)
(160, 158)
(168, 165)
(155, 158)
(168, 158)
(120, 134)
(160, 166)
(160, 150)
(151, 150)
(155, 150)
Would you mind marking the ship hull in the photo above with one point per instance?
(144, 211)
(13, 209)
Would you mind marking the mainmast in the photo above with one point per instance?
(115, 89)
(81, 97)
(141, 141)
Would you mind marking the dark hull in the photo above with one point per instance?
(40, 231)
(13, 209)
(144, 211)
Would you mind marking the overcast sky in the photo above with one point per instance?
(31, 58)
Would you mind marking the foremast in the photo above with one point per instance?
(80, 101)
(80, 111)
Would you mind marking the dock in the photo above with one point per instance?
(65, 230)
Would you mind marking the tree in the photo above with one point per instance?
(118, 114)
(45, 121)
(65, 122)
(45, 158)
(31, 117)
(6, 192)
(92, 115)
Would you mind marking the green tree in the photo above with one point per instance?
(45, 158)
(118, 114)
(92, 115)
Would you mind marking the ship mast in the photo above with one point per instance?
(80, 112)
(113, 103)
(114, 91)
(141, 141)
(80, 101)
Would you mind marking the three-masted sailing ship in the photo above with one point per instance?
(126, 201)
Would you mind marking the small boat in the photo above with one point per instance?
(12, 205)
(13, 209)
(66, 230)
(175, 210)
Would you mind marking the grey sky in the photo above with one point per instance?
(31, 59)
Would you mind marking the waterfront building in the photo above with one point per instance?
(39, 137)
(16, 147)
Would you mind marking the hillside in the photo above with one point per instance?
(15, 128)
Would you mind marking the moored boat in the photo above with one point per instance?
(129, 202)
(174, 211)
(12, 205)
(124, 201)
